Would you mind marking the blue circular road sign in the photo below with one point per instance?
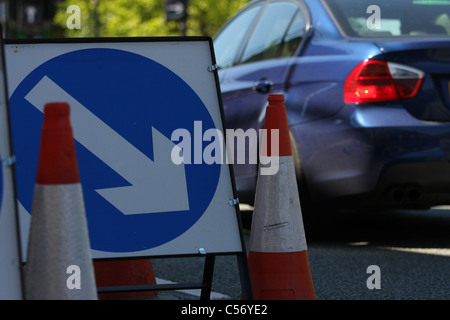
(131, 94)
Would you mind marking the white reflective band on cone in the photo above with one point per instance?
(277, 212)
(59, 240)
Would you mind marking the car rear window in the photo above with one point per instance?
(391, 18)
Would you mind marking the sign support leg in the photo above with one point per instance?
(244, 274)
(208, 273)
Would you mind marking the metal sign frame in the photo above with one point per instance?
(241, 254)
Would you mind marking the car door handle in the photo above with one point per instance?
(263, 86)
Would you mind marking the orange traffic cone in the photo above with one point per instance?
(124, 273)
(278, 259)
(59, 264)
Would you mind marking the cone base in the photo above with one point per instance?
(281, 276)
(124, 273)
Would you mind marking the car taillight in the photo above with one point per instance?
(376, 81)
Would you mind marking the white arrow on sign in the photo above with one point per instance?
(156, 186)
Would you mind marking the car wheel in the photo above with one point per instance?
(305, 199)
(317, 217)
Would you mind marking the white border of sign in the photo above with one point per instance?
(218, 230)
(10, 261)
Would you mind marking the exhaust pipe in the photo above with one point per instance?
(405, 194)
(397, 194)
(413, 194)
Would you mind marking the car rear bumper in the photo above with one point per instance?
(381, 156)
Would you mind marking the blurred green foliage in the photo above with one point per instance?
(132, 18)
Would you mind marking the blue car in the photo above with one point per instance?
(366, 87)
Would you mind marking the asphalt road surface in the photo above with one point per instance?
(409, 249)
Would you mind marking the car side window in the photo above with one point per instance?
(229, 40)
(294, 35)
(277, 34)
